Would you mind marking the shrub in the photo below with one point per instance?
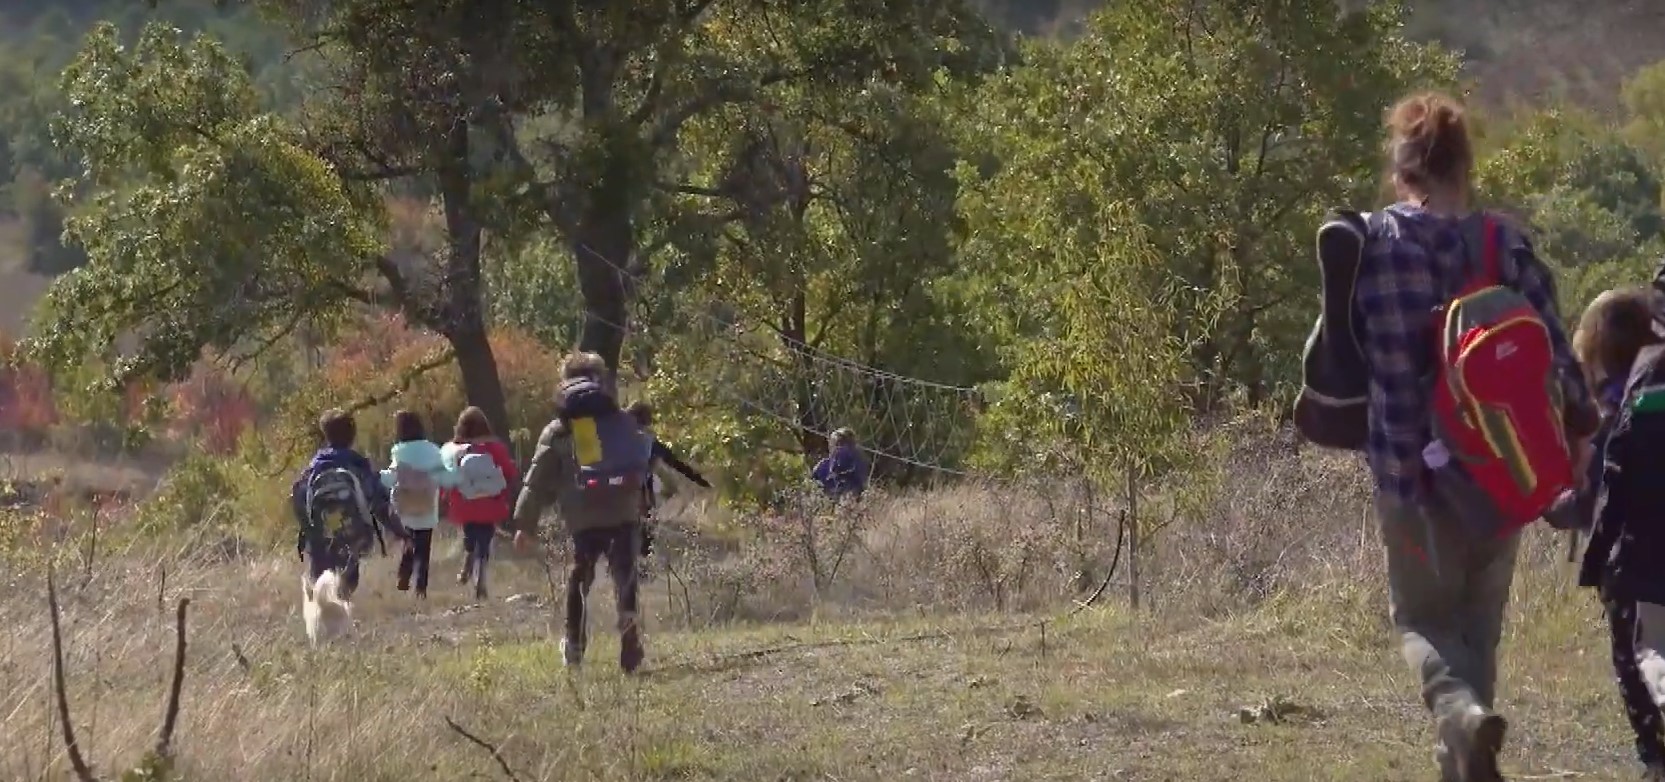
(371, 373)
(200, 488)
(27, 409)
(211, 409)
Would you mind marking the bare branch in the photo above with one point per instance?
(692, 190)
(265, 345)
(668, 57)
(496, 754)
(723, 93)
(409, 377)
(83, 772)
(170, 717)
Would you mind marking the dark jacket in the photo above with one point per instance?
(842, 473)
(369, 480)
(1627, 542)
(552, 481)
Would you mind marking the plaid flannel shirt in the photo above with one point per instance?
(1416, 263)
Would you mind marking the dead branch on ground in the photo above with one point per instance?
(496, 754)
(170, 715)
(83, 772)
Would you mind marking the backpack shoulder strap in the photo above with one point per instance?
(1490, 252)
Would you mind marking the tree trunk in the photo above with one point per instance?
(462, 315)
(812, 420)
(1133, 540)
(604, 249)
(481, 385)
(601, 248)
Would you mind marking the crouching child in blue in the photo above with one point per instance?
(1623, 354)
(339, 504)
(843, 473)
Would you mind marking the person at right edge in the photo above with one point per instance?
(1623, 352)
(1448, 585)
(591, 463)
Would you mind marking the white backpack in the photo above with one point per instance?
(415, 493)
(478, 476)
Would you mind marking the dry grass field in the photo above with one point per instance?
(899, 667)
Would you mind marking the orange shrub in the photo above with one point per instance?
(211, 408)
(26, 404)
(378, 360)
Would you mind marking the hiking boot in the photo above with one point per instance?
(630, 650)
(466, 573)
(480, 592)
(403, 585)
(572, 654)
(1473, 738)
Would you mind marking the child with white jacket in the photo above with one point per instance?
(415, 475)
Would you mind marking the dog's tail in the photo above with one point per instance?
(327, 590)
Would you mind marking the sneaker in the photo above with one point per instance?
(480, 592)
(1474, 737)
(572, 655)
(464, 575)
(631, 651)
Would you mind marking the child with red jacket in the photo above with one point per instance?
(486, 476)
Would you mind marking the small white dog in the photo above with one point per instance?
(327, 616)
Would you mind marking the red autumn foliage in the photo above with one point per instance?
(26, 405)
(211, 408)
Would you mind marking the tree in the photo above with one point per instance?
(838, 220)
(1644, 102)
(1230, 125)
(515, 118)
(207, 224)
(1589, 196)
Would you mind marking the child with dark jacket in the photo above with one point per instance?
(1624, 353)
(658, 453)
(600, 524)
(843, 473)
(338, 504)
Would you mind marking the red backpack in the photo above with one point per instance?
(1497, 401)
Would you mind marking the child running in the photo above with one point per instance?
(416, 472)
(486, 475)
(658, 453)
(1625, 358)
(338, 507)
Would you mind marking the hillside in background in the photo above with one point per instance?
(1515, 50)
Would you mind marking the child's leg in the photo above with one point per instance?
(587, 547)
(623, 561)
(422, 540)
(466, 572)
(349, 575)
(407, 562)
(1641, 705)
(318, 555)
(480, 536)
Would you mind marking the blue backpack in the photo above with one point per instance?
(609, 446)
(336, 505)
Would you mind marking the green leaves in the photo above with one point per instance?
(206, 224)
(1229, 127)
(1591, 198)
